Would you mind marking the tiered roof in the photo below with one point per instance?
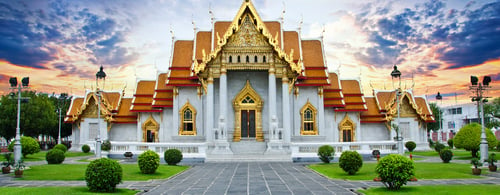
(114, 108)
(143, 97)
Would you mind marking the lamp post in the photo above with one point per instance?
(17, 140)
(439, 97)
(62, 101)
(397, 74)
(99, 75)
(477, 89)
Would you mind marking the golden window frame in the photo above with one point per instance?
(308, 107)
(182, 111)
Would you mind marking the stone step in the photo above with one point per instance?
(248, 158)
(248, 147)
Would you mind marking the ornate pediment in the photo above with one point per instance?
(406, 109)
(247, 36)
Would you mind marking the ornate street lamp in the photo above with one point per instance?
(439, 97)
(17, 140)
(397, 74)
(99, 75)
(477, 89)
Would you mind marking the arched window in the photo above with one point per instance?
(188, 120)
(248, 59)
(230, 59)
(255, 59)
(347, 130)
(308, 115)
(264, 59)
(239, 59)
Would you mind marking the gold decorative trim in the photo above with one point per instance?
(257, 105)
(234, 27)
(308, 107)
(150, 124)
(187, 108)
(347, 125)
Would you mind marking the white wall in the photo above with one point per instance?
(123, 132)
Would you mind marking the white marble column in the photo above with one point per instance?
(287, 128)
(321, 112)
(175, 114)
(223, 93)
(209, 115)
(272, 96)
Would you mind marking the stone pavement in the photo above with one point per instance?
(247, 178)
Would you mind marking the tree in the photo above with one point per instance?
(65, 127)
(469, 138)
(437, 116)
(37, 115)
(492, 110)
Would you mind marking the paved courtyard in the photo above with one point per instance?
(247, 178)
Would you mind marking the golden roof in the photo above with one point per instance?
(124, 115)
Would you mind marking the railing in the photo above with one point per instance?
(189, 150)
(311, 149)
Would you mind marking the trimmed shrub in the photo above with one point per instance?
(28, 144)
(350, 162)
(61, 147)
(325, 153)
(106, 145)
(446, 155)
(438, 147)
(431, 143)
(85, 148)
(410, 145)
(450, 143)
(148, 162)
(469, 138)
(55, 156)
(102, 175)
(498, 146)
(395, 170)
(173, 156)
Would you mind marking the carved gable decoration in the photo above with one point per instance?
(91, 110)
(406, 109)
(247, 35)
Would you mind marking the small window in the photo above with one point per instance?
(255, 59)
(239, 59)
(230, 59)
(264, 59)
(188, 120)
(308, 115)
(248, 59)
(308, 120)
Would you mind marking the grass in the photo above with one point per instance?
(458, 154)
(436, 190)
(40, 156)
(131, 172)
(423, 170)
(56, 190)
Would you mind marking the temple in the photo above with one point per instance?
(249, 87)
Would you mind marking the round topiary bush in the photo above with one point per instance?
(469, 138)
(446, 155)
(61, 147)
(438, 147)
(55, 156)
(350, 162)
(102, 175)
(28, 146)
(325, 153)
(395, 170)
(85, 148)
(173, 156)
(410, 145)
(450, 143)
(148, 162)
(106, 145)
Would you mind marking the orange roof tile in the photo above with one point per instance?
(350, 87)
(145, 88)
(274, 28)
(291, 41)
(203, 42)
(112, 99)
(353, 98)
(183, 53)
(332, 94)
(124, 115)
(312, 53)
(75, 106)
(426, 112)
(220, 28)
(383, 98)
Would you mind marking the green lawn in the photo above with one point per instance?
(423, 170)
(458, 154)
(437, 190)
(56, 190)
(40, 156)
(68, 172)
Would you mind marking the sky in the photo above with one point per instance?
(436, 44)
